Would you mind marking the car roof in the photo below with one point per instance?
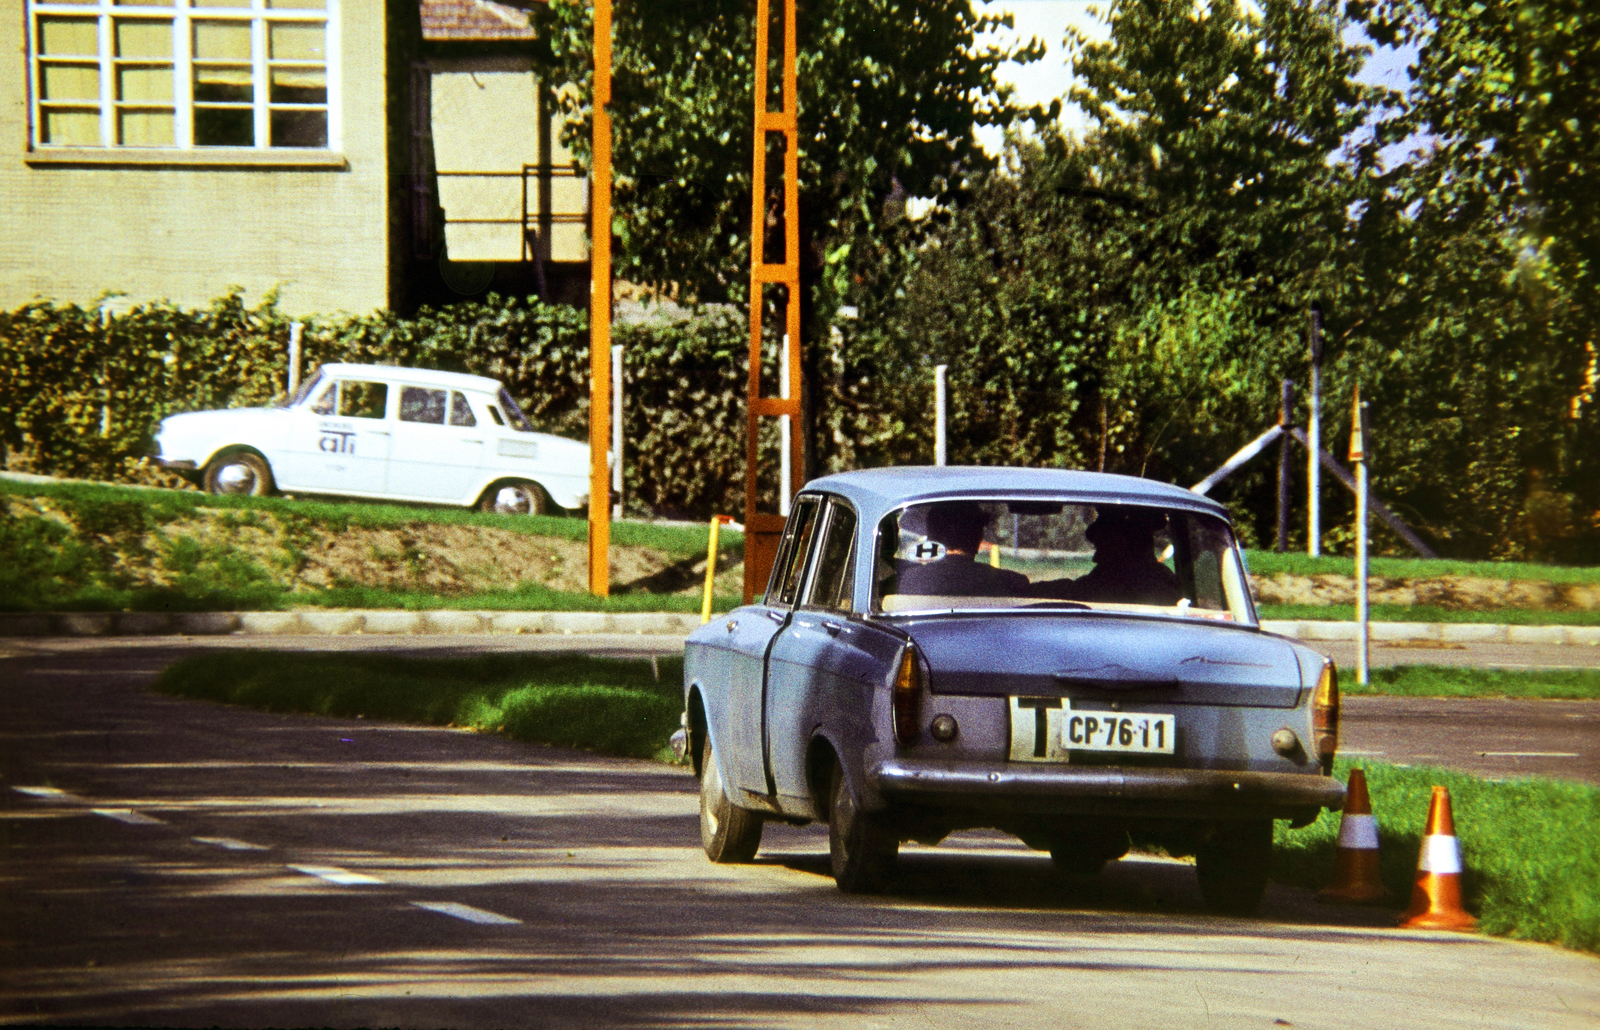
(421, 376)
(874, 492)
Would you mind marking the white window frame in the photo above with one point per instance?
(181, 14)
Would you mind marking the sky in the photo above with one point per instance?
(1049, 78)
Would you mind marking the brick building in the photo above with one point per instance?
(175, 148)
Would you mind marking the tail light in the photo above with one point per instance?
(907, 695)
(1325, 716)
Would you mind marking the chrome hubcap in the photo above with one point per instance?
(511, 500)
(236, 479)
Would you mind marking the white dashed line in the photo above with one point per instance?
(1527, 754)
(333, 874)
(467, 912)
(49, 794)
(229, 843)
(129, 816)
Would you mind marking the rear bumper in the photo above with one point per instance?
(1134, 792)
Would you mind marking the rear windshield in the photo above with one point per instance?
(1065, 554)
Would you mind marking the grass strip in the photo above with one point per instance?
(1428, 613)
(1531, 870)
(615, 707)
(1457, 681)
(1268, 563)
(338, 515)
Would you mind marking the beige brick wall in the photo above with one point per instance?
(188, 234)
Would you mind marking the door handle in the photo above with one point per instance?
(472, 441)
(774, 616)
(833, 628)
(378, 432)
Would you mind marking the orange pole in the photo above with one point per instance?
(600, 312)
(762, 528)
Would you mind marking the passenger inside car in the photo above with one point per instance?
(957, 527)
(1126, 570)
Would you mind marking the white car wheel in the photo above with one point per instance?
(242, 474)
(515, 498)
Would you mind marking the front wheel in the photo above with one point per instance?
(861, 849)
(241, 474)
(1233, 866)
(727, 832)
(515, 498)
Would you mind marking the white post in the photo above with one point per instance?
(784, 429)
(1358, 455)
(616, 428)
(940, 453)
(295, 329)
(1314, 441)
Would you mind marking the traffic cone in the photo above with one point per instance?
(1355, 869)
(1436, 898)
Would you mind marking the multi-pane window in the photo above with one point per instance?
(184, 73)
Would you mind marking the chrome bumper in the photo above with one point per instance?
(1120, 790)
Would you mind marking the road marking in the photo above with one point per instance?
(1355, 751)
(467, 912)
(1527, 754)
(49, 794)
(333, 874)
(129, 816)
(229, 843)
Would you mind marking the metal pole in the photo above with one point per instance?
(940, 454)
(1358, 456)
(1285, 419)
(295, 329)
(785, 427)
(616, 429)
(600, 310)
(711, 568)
(1314, 436)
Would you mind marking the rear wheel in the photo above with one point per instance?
(515, 498)
(241, 473)
(727, 832)
(1233, 866)
(861, 849)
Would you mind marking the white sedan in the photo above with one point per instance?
(405, 434)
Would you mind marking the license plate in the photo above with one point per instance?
(1109, 731)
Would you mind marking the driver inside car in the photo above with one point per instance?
(958, 527)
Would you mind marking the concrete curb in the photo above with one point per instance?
(386, 622)
(341, 622)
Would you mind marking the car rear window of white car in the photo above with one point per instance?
(1066, 554)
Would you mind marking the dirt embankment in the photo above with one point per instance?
(1455, 592)
(125, 546)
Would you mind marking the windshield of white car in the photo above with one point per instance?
(304, 391)
(1066, 554)
(518, 420)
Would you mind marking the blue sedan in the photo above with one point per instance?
(1070, 657)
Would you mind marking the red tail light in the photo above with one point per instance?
(907, 695)
(1325, 716)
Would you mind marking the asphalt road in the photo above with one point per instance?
(179, 863)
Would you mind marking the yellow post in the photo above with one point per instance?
(711, 568)
(600, 312)
(994, 555)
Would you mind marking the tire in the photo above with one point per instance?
(861, 849)
(241, 474)
(1076, 863)
(728, 833)
(1233, 866)
(517, 497)
(1086, 853)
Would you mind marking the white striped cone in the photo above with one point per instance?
(1355, 871)
(1436, 897)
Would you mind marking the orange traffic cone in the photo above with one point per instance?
(1436, 898)
(1355, 870)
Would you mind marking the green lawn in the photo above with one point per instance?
(1456, 681)
(1531, 867)
(1267, 563)
(1428, 613)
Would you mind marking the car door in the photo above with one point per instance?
(342, 446)
(437, 447)
(825, 664)
(751, 630)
